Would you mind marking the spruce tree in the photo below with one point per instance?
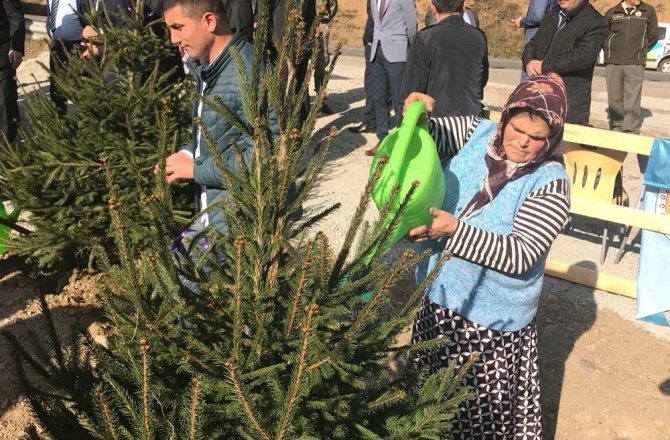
(125, 105)
(279, 342)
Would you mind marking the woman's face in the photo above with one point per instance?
(525, 137)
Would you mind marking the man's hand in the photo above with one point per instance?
(89, 32)
(15, 59)
(428, 101)
(517, 21)
(90, 50)
(534, 68)
(443, 224)
(178, 166)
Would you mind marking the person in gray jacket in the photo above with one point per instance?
(632, 31)
(395, 25)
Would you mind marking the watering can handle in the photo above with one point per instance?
(409, 122)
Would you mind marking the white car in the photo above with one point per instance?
(658, 58)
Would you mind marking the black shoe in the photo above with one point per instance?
(326, 110)
(363, 127)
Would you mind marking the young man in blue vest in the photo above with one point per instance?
(200, 28)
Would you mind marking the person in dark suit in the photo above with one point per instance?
(469, 15)
(568, 42)
(240, 15)
(449, 62)
(12, 40)
(369, 124)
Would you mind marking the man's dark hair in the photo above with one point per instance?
(195, 8)
(444, 6)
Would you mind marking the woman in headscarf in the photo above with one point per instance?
(507, 200)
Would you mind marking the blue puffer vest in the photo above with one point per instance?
(488, 297)
(220, 79)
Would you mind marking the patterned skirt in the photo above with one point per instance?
(505, 381)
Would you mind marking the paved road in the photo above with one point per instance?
(504, 75)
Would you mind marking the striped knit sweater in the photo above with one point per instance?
(495, 275)
(537, 224)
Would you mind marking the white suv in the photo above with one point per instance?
(658, 57)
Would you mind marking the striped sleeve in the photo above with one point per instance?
(537, 224)
(451, 133)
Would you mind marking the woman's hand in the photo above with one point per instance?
(443, 224)
(428, 101)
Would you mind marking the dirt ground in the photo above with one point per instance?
(604, 375)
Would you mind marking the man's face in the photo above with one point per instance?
(569, 5)
(191, 34)
(634, 3)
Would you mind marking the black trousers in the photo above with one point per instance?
(60, 52)
(386, 78)
(369, 117)
(9, 106)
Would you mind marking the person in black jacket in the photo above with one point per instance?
(12, 40)
(568, 42)
(448, 61)
(470, 16)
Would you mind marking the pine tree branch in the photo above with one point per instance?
(106, 412)
(316, 365)
(124, 247)
(233, 375)
(297, 379)
(415, 299)
(370, 307)
(302, 281)
(312, 175)
(237, 293)
(195, 400)
(354, 224)
(387, 400)
(144, 348)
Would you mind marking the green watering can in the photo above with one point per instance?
(5, 221)
(412, 157)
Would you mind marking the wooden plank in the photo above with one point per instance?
(621, 214)
(612, 140)
(591, 278)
